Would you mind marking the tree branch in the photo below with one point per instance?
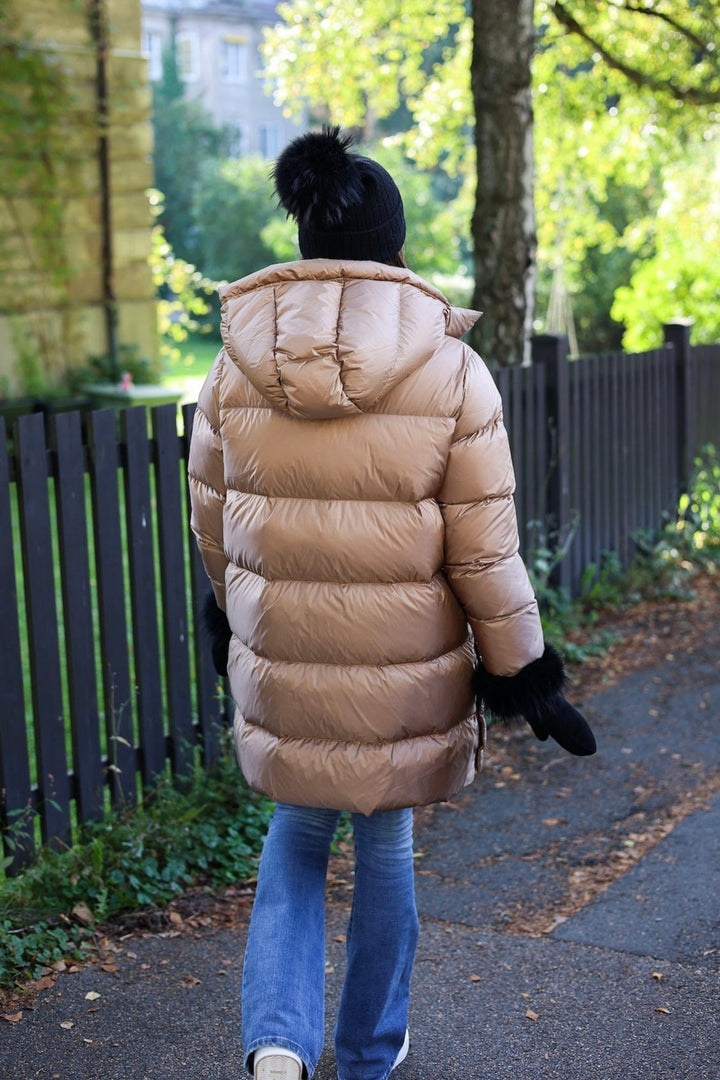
(693, 94)
(686, 33)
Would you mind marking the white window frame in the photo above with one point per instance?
(239, 138)
(189, 64)
(236, 72)
(152, 50)
(269, 140)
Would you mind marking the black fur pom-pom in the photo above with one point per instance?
(317, 179)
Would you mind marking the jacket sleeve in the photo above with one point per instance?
(207, 481)
(482, 562)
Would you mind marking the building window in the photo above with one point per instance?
(236, 139)
(188, 56)
(234, 60)
(152, 49)
(269, 140)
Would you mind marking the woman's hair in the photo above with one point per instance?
(398, 260)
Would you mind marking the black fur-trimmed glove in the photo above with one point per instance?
(536, 694)
(217, 629)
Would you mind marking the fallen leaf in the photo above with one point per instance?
(82, 912)
(551, 821)
(532, 1015)
(12, 1018)
(657, 975)
(108, 967)
(176, 917)
(67, 1024)
(660, 1009)
(475, 978)
(92, 995)
(44, 983)
(190, 980)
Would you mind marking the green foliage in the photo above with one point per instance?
(680, 275)
(661, 569)
(209, 834)
(184, 140)
(38, 177)
(356, 62)
(183, 295)
(129, 363)
(625, 96)
(437, 214)
(559, 612)
(695, 534)
(232, 208)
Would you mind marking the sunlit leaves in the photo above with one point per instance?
(626, 93)
(682, 275)
(354, 61)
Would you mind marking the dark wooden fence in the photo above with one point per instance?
(603, 445)
(104, 681)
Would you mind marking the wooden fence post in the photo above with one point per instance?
(677, 334)
(551, 350)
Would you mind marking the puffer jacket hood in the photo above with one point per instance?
(309, 337)
(351, 489)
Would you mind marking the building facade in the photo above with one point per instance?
(218, 56)
(75, 223)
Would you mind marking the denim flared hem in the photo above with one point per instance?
(285, 1044)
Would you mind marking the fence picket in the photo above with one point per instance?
(211, 708)
(171, 536)
(141, 554)
(77, 610)
(16, 794)
(589, 494)
(117, 693)
(43, 641)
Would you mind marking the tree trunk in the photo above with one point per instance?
(504, 220)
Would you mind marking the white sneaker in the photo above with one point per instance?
(403, 1052)
(277, 1066)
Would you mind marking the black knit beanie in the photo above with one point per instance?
(346, 206)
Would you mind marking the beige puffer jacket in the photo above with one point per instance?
(351, 489)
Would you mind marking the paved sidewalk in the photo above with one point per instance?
(558, 939)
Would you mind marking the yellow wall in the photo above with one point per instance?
(66, 324)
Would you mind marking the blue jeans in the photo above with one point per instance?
(283, 991)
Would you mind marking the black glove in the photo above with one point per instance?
(559, 720)
(217, 629)
(536, 694)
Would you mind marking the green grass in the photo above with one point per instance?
(197, 355)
